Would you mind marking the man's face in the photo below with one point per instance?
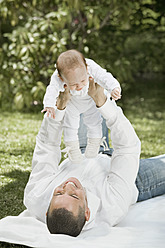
(76, 79)
(70, 195)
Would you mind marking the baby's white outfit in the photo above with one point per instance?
(81, 102)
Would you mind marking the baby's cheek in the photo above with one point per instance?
(85, 83)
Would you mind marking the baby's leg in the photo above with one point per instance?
(93, 121)
(82, 134)
(71, 123)
(70, 127)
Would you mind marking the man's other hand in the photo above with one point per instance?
(96, 92)
(63, 99)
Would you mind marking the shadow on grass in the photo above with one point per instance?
(7, 245)
(11, 196)
(17, 152)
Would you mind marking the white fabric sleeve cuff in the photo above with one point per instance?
(109, 109)
(59, 114)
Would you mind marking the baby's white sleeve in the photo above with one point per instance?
(101, 76)
(52, 92)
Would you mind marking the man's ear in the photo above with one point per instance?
(46, 213)
(60, 77)
(87, 214)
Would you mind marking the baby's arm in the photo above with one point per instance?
(116, 93)
(104, 78)
(50, 111)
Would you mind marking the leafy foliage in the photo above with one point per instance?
(126, 37)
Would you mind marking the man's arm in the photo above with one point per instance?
(47, 154)
(47, 150)
(120, 187)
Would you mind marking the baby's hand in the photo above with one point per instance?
(50, 111)
(116, 93)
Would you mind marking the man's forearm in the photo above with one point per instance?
(122, 133)
(121, 188)
(125, 142)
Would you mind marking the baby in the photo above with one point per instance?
(73, 71)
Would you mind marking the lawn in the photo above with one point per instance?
(143, 104)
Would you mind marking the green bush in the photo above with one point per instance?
(125, 37)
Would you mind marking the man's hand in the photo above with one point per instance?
(96, 92)
(63, 99)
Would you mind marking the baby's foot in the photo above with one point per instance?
(92, 148)
(74, 152)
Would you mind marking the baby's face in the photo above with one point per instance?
(76, 79)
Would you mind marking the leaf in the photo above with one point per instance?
(19, 101)
(51, 14)
(27, 99)
(44, 27)
(23, 51)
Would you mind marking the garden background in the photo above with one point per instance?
(126, 37)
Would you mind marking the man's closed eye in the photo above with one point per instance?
(74, 196)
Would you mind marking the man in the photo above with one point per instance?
(72, 197)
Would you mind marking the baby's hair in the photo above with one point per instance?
(69, 60)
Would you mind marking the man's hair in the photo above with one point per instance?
(62, 221)
(70, 60)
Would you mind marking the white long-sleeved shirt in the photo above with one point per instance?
(100, 75)
(109, 182)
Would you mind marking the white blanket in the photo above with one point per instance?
(143, 227)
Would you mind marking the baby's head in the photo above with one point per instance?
(72, 69)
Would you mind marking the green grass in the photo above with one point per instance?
(17, 136)
(143, 104)
(17, 141)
